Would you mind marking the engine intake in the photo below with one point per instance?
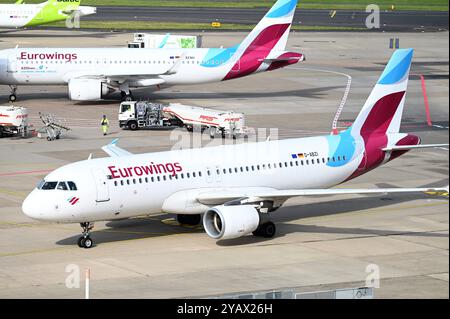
(88, 89)
(228, 222)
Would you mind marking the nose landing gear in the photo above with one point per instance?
(13, 96)
(85, 240)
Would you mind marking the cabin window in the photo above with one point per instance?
(62, 186)
(72, 186)
(48, 185)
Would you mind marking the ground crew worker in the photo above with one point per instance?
(105, 125)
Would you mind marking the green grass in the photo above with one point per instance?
(125, 25)
(432, 5)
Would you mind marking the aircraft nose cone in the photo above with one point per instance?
(29, 207)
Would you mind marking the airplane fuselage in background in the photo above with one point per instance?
(28, 15)
(59, 66)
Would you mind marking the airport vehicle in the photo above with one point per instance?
(167, 41)
(135, 115)
(13, 121)
(216, 121)
(235, 187)
(53, 127)
(20, 15)
(94, 73)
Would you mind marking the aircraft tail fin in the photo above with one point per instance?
(383, 110)
(267, 41)
(273, 30)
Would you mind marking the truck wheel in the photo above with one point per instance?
(133, 126)
(212, 132)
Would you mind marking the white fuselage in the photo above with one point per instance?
(124, 187)
(141, 67)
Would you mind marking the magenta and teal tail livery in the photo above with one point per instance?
(377, 126)
(263, 49)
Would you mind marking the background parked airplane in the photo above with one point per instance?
(94, 73)
(235, 187)
(21, 15)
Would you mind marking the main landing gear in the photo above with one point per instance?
(266, 230)
(191, 220)
(85, 240)
(126, 97)
(13, 96)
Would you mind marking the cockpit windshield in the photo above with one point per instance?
(63, 186)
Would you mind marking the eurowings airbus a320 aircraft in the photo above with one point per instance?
(235, 187)
(20, 15)
(93, 73)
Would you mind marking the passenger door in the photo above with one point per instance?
(12, 63)
(101, 184)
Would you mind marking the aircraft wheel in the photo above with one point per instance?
(87, 242)
(266, 230)
(12, 98)
(80, 242)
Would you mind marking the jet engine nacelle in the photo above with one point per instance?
(228, 222)
(88, 89)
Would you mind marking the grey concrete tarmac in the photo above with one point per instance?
(322, 243)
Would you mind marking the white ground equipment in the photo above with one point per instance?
(146, 115)
(166, 41)
(13, 121)
(53, 127)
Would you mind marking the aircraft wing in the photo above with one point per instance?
(114, 151)
(411, 147)
(221, 197)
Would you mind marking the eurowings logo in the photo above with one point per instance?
(73, 200)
